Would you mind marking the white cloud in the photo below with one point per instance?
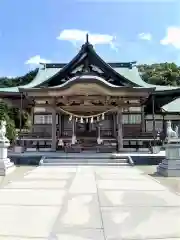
(145, 36)
(76, 36)
(172, 37)
(36, 60)
(11, 76)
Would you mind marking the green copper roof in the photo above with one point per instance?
(42, 75)
(173, 106)
(134, 76)
(9, 90)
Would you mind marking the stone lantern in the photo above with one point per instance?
(6, 165)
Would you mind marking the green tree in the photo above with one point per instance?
(161, 73)
(10, 127)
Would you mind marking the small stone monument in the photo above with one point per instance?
(170, 166)
(6, 165)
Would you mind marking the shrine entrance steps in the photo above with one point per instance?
(87, 159)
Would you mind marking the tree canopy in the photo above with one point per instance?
(17, 81)
(161, 73)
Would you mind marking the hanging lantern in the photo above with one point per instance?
(81, 121)
(97, 118)
(92, 120)
(87, 120)
(70, 118)
(76, 119)
(103, 116)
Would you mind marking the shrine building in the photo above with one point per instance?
(91, 105)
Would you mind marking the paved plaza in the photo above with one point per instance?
(88, 203)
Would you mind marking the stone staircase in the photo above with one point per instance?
(87, 159)
(88, 144)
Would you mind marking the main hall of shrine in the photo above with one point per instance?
(89, 104)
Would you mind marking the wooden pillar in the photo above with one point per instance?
(21, 141)
(119, 132)
(153, 116)
(53, 145)
(99, 132)
(73, 131)
(60, 125)
(143, 128)
(73, 126)
(164, 127)
(21, 109)
(114, 124)
(32, 119)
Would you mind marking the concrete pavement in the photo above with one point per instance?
(88, 203)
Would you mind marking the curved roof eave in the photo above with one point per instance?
(113, 69)
(75, 59)
(42, 75)
(173, 106)
(93, 79)
(11, 90)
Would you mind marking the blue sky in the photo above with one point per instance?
(146, 31)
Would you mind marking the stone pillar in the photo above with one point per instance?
(170, 166)
(120, 131)
(53, 145)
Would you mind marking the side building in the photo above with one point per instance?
(89, 104)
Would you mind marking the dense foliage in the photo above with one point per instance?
(160, 74)
(18, 81)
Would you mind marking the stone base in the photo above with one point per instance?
(6, 167)
(170, 167)
(31, 150)
(168, 172)
(18, 149)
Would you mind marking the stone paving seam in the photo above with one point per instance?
(65, 200)
(99, 206)
(29, 205)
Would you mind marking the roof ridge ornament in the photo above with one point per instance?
(43, 64)
(87, 38)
